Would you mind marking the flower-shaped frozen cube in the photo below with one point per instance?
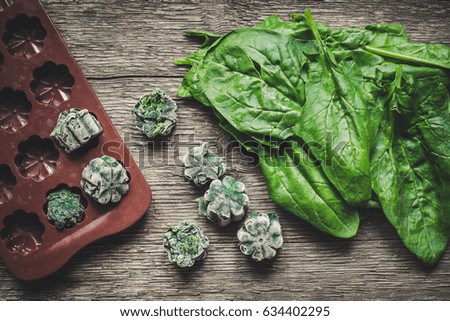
(260, 236)
(75, 129)
(185, 244)
(202, 165)
(155, 114)
(224, 201)
(105, 180)
(64, 209)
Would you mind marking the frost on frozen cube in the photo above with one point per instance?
(64, 209)
(105, 180)
(155, 114)
(202, 165)
(224, 202)
(185, 244)
(75, 129)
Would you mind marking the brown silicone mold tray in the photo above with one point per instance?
(39, 78)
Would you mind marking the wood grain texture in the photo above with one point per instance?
(126, 49)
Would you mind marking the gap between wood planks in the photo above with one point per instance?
(105, 78)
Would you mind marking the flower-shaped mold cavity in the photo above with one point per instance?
(65, 206)
(5, 3)
(22, 232)
(7, 183)
(37, 158)
(24, 36)
(14, 110)
(52, 84)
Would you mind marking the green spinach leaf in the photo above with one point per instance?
(372, 107)
(336, 105)
(411, 161)
(433, 55)
(297, 183)
(253, 79)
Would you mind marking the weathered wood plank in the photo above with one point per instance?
(113, 38)
(134, 42)
(311, 265)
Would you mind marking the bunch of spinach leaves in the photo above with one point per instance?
(339, 118)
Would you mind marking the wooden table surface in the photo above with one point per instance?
(126, 49)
